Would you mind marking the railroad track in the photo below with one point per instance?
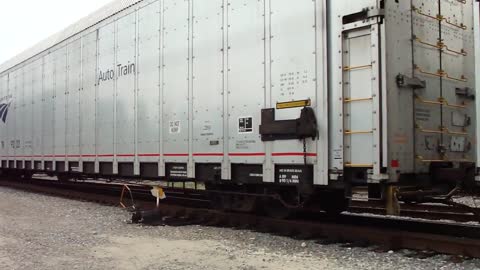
(200, 198)
(425, 237)
(421, 211)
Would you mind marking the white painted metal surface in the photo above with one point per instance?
(476, 25)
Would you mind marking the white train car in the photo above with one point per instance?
(261, 96)
(476, 19)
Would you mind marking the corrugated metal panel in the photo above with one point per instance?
(103, 13)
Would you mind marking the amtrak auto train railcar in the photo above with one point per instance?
(300, 99)
(476, 18)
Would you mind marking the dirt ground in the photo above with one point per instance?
(42, 232)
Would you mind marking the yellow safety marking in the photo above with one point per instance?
(294, 104)
(348, 100)
(158, 192)
(441, 101)
(348, 68)
(351, 165)
(350, 132)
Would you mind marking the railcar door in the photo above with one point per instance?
(441, 47)
(362, 96)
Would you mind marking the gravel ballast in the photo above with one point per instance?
(43, 232)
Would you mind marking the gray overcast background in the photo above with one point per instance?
(23, 23)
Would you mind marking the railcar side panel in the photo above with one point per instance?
(427, 61)
(106, 94)
(16, 114)
(175, 85)
(74, 71)
(88, 112)
(27, 120)
(246, 82)
(9, 125)
(476, 22)
(3, 131)
(208, 61)
(59, 99)
(293, 72)
(398, 48)
(12, 85)
(148, 97)
(19, 118)
(48, 110)
(8, 93)
(441, 110)
(125, 72)
(460, 76)
(37, 106)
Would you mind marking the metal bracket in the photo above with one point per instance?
(377, 178)
(304, 127)
(466, 92)
(407, 82)
(377, 12)
(364, 15)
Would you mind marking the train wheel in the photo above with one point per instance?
(275, 209)
(3, 174)
(26, 176)
(222, 198)
(334, 203)
(218, 202)
(238, 203)
(63, 177)
(335, 210)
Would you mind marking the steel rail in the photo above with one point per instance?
(421, 211)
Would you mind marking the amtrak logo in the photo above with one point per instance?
(5, 103)
(4, 111)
